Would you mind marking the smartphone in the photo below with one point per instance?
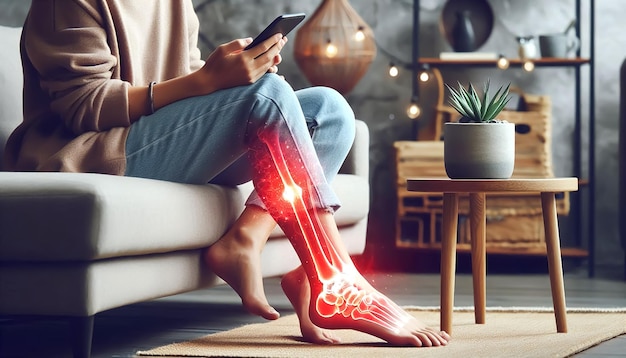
(282, 24)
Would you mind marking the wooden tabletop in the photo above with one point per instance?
(447, 185)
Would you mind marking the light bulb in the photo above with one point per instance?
(529, 66)
(503, 63)
(424, 76)
(359, 35)
(413, 111)
(331, 50)
(393, 70)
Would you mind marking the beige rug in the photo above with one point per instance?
(509, 332)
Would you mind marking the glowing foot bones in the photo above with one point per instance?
(340, 302)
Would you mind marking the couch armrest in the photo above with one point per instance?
(357, 161)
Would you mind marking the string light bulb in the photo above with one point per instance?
(393, 70)
(331, 49)
(528, 66)
(359, 35)
(503, 62)
(424, 74)
(413, 111)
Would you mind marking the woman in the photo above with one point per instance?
(118, 87)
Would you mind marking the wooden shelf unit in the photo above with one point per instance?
(576, 63)
(513, 62)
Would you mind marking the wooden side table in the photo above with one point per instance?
(451, 188)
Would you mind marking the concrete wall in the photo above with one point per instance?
(381, 101)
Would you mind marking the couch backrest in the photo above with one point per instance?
(11, 83)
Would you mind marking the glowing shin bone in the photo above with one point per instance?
(339, 294)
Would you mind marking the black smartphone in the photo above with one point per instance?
(282, 24)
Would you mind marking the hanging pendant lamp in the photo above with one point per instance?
(335, 47)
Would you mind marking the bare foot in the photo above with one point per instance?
(236, 259)
(349, 302)
(296, 287)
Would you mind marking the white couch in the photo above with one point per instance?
(73, 245)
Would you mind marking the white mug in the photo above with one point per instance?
(527, 47)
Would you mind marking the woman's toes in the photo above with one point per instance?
(425, 339)
(270, 313)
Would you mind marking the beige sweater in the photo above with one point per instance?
(80, 57)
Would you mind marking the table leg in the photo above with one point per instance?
(479, 260)
(555, 267)
(448, 258)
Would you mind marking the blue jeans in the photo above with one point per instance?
(205, 139)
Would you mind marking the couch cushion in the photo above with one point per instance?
(70, 216)
(11, 83)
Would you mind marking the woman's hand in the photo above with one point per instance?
(277, 60)
(230, 66)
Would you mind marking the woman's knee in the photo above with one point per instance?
(324, 100)
(324, 103)
(326, 108)
(274, 87)
(271, 95)
(342, 113)
(334, 102)
(322, 107)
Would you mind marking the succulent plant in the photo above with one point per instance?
(476, 109)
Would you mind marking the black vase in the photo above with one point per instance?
(463, 38)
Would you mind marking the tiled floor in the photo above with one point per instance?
(121, 332)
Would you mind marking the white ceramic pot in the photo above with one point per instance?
(479, 150)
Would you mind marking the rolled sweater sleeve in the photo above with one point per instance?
(68, 48)
(195, 60)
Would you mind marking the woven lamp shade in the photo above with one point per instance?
(335, 47)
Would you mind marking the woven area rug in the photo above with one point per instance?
(508, 332)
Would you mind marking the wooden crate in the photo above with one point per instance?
(514, 231)
(513, 220)
(416, 212)
(533, 145)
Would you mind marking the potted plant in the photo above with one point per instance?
(479, 146)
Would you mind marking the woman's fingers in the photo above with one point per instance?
(236, 45)
(278, 59)
(229, 65)
(267, 61)
(266, 46)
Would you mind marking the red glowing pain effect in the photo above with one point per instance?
(340, 298)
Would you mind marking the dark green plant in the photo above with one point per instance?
(475, 108)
